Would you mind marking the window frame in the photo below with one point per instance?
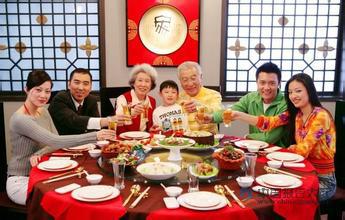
(339, 80)
(9, 96)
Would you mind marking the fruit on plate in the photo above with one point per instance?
(229, 158)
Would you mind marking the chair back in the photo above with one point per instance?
(3, 164)
(339, 157)
(108, 99)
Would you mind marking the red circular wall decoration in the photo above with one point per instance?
(162, 33)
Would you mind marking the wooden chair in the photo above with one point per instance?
(336, 205)
(8, 209)
(108, 99)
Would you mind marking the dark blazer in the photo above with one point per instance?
(65, 116)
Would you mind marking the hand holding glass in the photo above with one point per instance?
(112, 125)
(227, 117)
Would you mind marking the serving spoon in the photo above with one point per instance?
(220, 190)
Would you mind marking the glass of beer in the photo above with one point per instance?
(144, 115)
(126, 111)
(227, 117)
(200, 113)
(112, 125)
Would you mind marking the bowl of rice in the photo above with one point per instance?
(158, 170)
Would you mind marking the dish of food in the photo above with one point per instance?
(200, 137)
(229, 158)
(158, 170)
(204, 170)
(175, 142)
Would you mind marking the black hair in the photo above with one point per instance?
(37, 78)
(307, 82)
(269, 68)
(82, 71)
(168, 84)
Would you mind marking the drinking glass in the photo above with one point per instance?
(227, 116)
(126, 111)
(144, 114)
(119, 174)
(249, 164)
(193, 181)
(112, 125)
(200, 113)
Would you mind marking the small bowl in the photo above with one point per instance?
(95, 153)
(94, 179)
(253, 148)
(159, 136)
(245, 181)
(173, 191)
(102, 143)
(274, 164)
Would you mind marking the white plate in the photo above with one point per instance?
(246, 143)
(190, 143)
(285, 156)
(134, 135)
(279, 180)
(114, 194)
(84, 147)
(95, 192)
(42, 165)
(202, 199)
(261, 180)
(184, 198)
(56, 164)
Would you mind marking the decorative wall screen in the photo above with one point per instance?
(299, 36)
(57, 36)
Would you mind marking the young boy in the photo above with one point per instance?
(169, 116)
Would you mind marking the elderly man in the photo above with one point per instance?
(76, 111)
(267, 100)
(195, 95)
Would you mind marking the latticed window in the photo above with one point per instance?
(299, 36)
(57, 36)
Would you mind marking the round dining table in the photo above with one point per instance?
(44, 203)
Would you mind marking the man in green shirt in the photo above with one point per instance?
(267, 100)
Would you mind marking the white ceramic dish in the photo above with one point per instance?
(158, 170)
(202, 201)
(84, 147)
(244, 181)
(285, 157)
(173, 191)
(94, 178)
(102, 143)
(253, 148)
(42, 167)
(274, 164)
(275, 182)
(245, 143)
(95, 193)
(95, 153)
(56, 164)
(137, 135)
(190, 143)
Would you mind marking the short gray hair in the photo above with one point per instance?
(188, 65)
(143, 68)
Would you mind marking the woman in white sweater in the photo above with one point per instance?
(32, 133)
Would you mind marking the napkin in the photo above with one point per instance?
(265, 190)
(59, 158)
(291, 164)
(272, 149)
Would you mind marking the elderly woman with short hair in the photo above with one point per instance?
(142, 81)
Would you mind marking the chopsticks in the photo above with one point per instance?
(234, 196)
(63, 177)
(274, 170)
(139, 198)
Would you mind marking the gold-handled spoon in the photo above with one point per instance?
(220, 190)
(134, 192)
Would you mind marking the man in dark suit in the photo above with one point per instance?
(75, 111)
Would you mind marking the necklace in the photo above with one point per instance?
(306, 120)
